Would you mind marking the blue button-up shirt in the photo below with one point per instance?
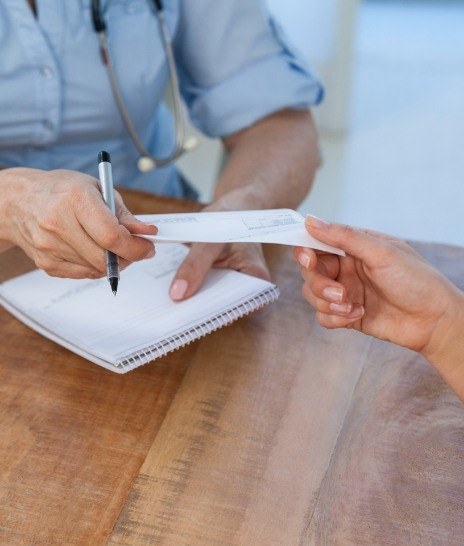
(56, 106)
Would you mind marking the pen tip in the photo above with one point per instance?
(114, 285)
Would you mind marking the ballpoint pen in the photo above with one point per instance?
(106, 187)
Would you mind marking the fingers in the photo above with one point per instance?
(324, 287)
(69, 242)
(53, 255)
(104, 228)
(64, 225)
(358, 243)
(59, 267)
(330, 314)
(259, 270)
(324, 293)
(49, 251)
(332, 321)
(129, 221)
(193, 270)
(67, 270)
(319, 272)
(88, 253)
(247, 258)
(307, 257)
(328, 264)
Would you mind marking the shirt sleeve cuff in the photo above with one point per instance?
(261, 89)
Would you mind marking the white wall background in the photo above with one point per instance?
(324, 31)
(401, 167)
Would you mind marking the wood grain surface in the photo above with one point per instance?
(270, 431)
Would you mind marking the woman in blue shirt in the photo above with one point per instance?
(239, 78)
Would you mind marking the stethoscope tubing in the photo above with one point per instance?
(147, 161)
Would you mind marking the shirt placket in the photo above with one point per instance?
(44, 42)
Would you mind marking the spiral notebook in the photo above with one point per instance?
(142, 323)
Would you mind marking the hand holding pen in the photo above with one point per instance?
(107, 190)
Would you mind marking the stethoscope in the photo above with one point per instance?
(147, 161)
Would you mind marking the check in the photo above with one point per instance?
(279, 226)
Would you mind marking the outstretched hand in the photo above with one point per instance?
(382, 287)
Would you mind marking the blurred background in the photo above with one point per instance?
(392, 124)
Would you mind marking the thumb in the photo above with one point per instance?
(192, 271)
(130, 222)
(358, 243)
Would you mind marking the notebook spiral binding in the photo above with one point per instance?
(170, 344)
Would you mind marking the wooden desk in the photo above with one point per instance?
(271, 431)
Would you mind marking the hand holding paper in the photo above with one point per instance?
(228, 231)
(280, 226)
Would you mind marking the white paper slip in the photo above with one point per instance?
(280, 226)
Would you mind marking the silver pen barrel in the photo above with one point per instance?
(106, 187)
(106, 181)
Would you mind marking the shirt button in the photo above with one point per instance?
(48, 124)
(47, 72)
(130, 7)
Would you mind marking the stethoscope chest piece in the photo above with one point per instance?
(146, 164)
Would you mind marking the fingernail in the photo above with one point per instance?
(316, 222)
(357, 312)
(178, 289)
(342, 308)
(304, 260)
(150, 254)
(333, 294)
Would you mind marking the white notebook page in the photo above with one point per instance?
(87, 315)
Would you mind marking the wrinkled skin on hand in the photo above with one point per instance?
(60, 221)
